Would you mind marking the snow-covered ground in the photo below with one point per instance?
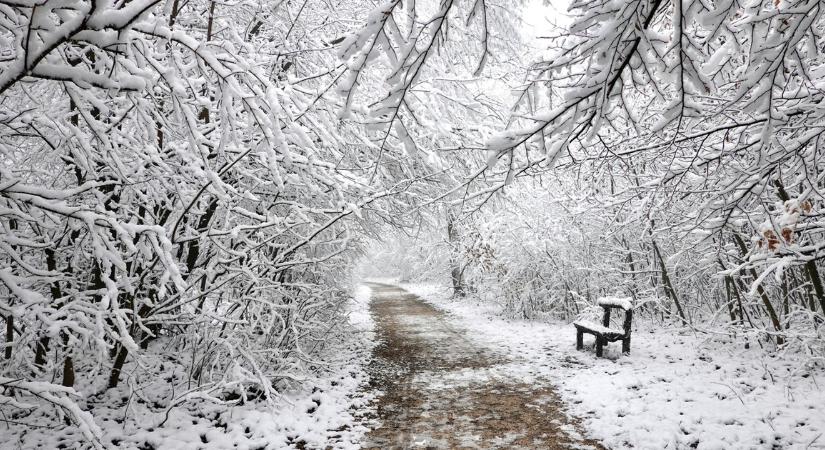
(323, 412)
(674, 391)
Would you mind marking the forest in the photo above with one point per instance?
(192, 192)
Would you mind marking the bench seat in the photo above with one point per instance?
(611, 334)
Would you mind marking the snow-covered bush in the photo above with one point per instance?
(176, 190)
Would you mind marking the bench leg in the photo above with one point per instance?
(626, 345)
(599, 347)
(579, 340)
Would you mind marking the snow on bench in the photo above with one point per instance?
(595, 327)
(603, 332)
(626, 303)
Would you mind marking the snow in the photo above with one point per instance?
(674, 390)
(359, 314)
(626, 303)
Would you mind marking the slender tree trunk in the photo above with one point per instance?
(632, 266)
(816, 282)
(9, 335)
(777, 325)
(68, 366)
(40, 351)
(456, 272)
(668, 286)
(10, 318)
(742, 312)
(42, 347)
(729, 298)
(120, 360)
(68, 372)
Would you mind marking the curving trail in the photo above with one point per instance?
(441, 390)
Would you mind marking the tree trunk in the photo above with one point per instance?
(68, 372)
(40, 351)
(668, 287)
(9, 334)
(729, 298)
(816, 282)
(120, 360)
(777, 325)
(456, 272)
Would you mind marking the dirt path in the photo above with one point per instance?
(443, 391)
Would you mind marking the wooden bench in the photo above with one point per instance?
(603, 332)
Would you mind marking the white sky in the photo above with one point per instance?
(539, 14)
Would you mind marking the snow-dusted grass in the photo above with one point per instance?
(322, 411)
(674, 391)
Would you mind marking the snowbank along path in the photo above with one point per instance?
(442, 391)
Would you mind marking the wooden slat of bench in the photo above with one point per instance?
(595, 328)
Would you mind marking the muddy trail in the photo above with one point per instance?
(441, 391)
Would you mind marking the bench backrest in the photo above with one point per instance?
(628, 317)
